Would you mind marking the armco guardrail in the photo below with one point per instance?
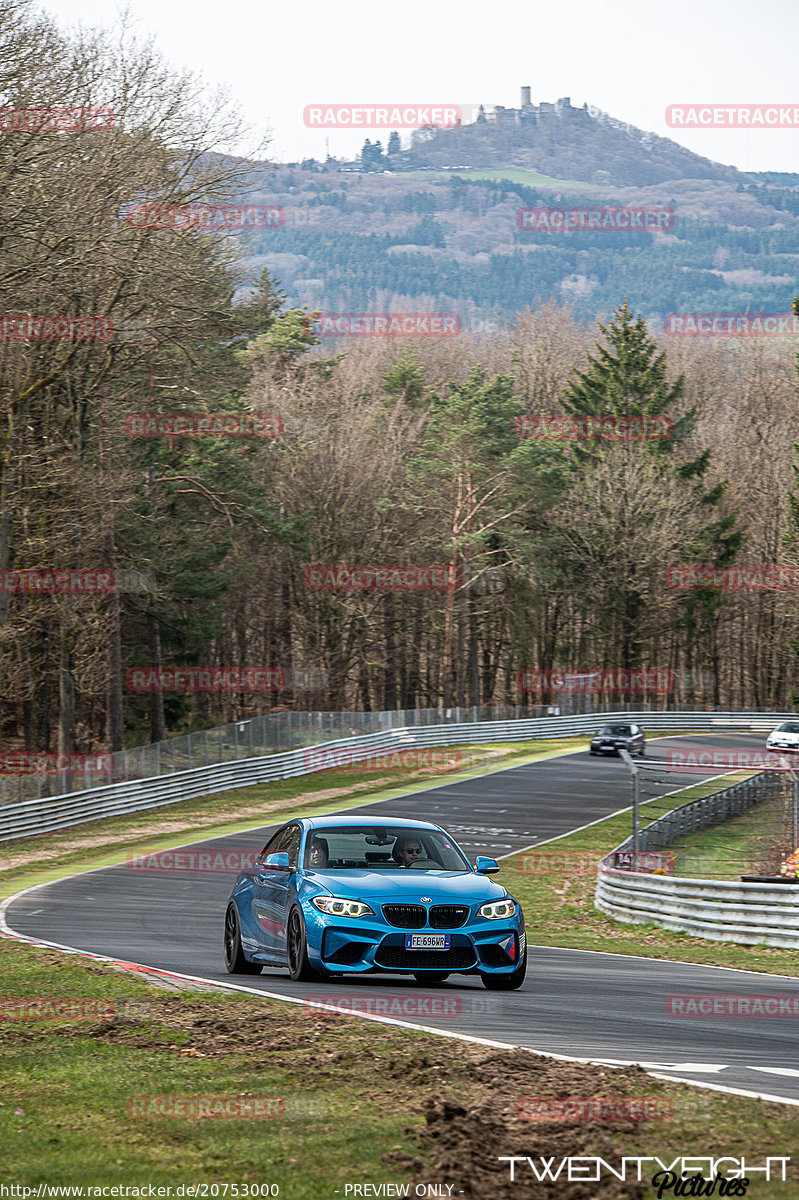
(272, 733)
(747, 913)
(24, 818)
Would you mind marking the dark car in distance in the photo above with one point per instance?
(613, 738)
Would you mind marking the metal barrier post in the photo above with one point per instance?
(633, 769)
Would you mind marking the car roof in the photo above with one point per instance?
(372, 822)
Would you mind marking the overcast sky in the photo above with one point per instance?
(630, 60)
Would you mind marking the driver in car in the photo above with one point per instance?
(407, 851)
(317, 855)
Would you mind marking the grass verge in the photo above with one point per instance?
(556, 883)
(352, 1102)
(752, 843)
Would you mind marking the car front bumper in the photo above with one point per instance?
(363, 945)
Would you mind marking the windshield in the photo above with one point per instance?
(364, 847)
(787, 727)
(616, 730)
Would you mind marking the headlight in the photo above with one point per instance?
(499, 910)
(336, 906)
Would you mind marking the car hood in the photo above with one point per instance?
(408, 887)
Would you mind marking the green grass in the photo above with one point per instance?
(556, 888)
(744, 845)
(362, 1102)
(511, 175)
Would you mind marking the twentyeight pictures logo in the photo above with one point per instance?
(381, 116)
(362, 325)
(594, 220)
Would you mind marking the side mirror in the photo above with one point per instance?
(276, 862)
(486, 866)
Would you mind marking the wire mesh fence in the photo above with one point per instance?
(743, 829)
(273, 733)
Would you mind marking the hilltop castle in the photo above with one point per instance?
(530, 113)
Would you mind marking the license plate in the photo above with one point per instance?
(427, 941)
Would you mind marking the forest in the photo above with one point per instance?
(364, 524)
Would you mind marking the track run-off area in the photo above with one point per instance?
(607, 1008)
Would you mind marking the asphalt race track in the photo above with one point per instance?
(599, 1006)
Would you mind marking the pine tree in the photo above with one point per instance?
(627, 378)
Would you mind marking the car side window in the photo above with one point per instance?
(289, 843)
(271, 846)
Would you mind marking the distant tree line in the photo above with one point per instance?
(377, 454)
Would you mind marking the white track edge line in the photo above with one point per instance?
(125, 964)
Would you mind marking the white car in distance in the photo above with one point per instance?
(784, 737)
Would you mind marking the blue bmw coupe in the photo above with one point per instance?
(350, 895)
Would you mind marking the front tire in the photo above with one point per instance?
(235, 962)
(506, 983)
(297, 950)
